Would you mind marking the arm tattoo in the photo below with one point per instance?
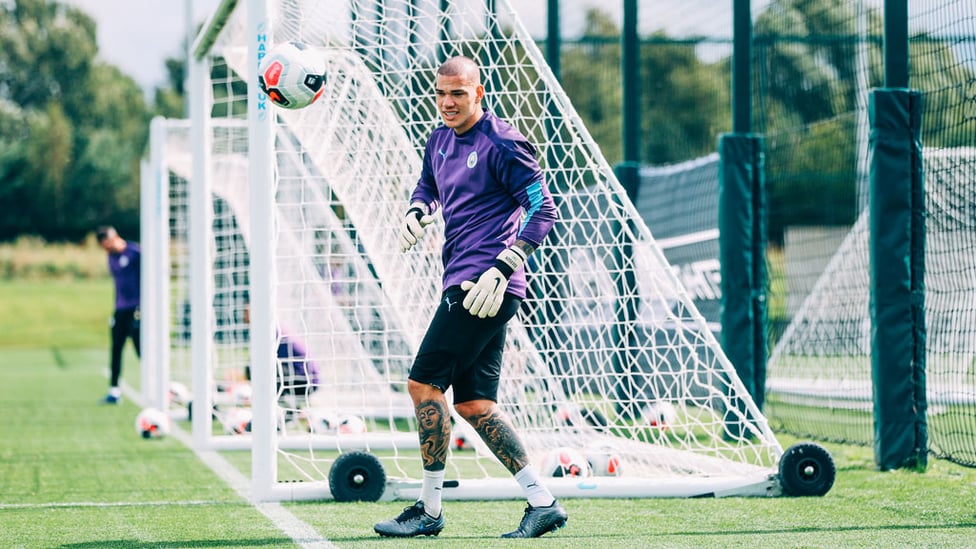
(495, 429)
(434, 430)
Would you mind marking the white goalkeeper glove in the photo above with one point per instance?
(485, 296)
(413, 225)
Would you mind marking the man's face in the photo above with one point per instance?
(111, 243)
(459, 101)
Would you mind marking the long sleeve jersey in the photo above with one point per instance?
(491, 192)
(125, 269)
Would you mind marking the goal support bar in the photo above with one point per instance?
(742, 251)
(897, 250)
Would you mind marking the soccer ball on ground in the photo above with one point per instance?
(239, 393)
(565, 462)
(603, 462)
(237, 421)
(152, 423)
(179, 394)
(322, 422)
(660, 414)
(292, 75)
(572, 414)
(463, 436)
(351, 425)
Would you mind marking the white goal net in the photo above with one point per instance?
(607, 356)
(819, 380)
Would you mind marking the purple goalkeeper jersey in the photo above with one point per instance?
(491, 192)
(125, 268)
(295, 361)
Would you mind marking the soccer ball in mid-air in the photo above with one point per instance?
(565, 462)
(292, 75)
(152, 423)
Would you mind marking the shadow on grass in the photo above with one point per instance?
(135, 544)
(836, 529)
(568, 535)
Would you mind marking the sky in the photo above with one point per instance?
(139, 35)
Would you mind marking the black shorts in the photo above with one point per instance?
(463, 351)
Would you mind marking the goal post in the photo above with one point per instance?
(199, 214)
(297, 235)
(154, 273)
(261, 187)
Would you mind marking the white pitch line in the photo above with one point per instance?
(69, 504)
(300, 532)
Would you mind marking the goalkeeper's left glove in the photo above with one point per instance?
(412, 228)
(485, 296)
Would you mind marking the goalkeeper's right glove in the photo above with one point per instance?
(485, 296)
(412, 228)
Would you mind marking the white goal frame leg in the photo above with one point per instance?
(155, 273)
(200, 198)
(264, 466)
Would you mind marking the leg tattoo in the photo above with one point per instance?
(434, 432)
(498, 433)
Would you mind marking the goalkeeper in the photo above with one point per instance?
(124, 264)
(483, 176)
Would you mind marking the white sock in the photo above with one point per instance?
(537, 494)
(430, 492)
(115, 391)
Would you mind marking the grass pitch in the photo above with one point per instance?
(74, 474)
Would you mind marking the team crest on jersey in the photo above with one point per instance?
(123, 261)
(472, 159)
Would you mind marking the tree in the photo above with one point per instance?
(74, 128)
(591, 78)
(808, 63)
(684, 101)
(170, 101)
(687, 103)
(949, 88)
(813, 77)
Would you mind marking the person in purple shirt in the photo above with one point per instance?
(124, 262)
(299, 375)
(483, 177)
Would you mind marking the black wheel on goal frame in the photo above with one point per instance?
(357, 476)
(806, 469)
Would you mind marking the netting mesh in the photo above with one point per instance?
(820, 370)
(229, 268)
(608, 353)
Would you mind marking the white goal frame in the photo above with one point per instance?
(734, 474)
